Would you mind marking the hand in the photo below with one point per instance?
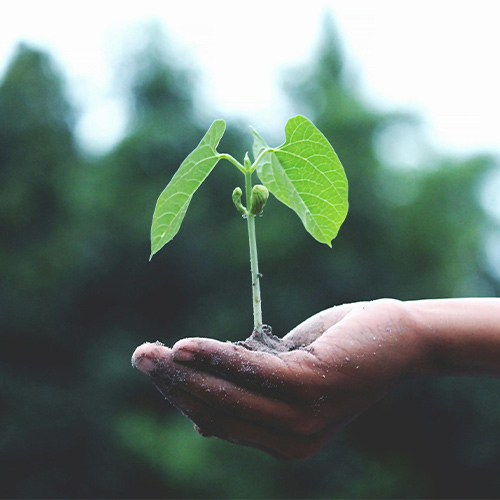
(290, 404)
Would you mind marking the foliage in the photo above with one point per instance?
(77, 296)
(175, 198)
(306, 175)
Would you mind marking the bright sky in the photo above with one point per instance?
(438, 58)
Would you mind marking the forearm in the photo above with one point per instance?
(461, 336)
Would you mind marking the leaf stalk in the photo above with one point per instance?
(262, 153)
(234, 161)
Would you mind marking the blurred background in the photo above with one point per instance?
(96, 115)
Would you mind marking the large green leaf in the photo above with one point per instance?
(305, 174)
(173, 202)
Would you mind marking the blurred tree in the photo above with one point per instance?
(36, 147)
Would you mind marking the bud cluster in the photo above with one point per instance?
(258, 200)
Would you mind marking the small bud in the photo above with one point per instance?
(237, 200)
(258, 199)
(246, 162)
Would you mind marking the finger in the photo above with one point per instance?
(149, 355)
(280, 375)
(224, 395)
(240, 402)
(214, 357)
(312, 328)
(210, 422)
(198, 411)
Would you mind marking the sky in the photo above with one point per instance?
(438, 59)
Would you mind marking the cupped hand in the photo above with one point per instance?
(289, 404)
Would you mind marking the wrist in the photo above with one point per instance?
(458, 336)
(424, 320)
(416, 343)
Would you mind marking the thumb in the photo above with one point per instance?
(312, 328)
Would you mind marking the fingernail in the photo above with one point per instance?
(182, 355)
(144, 364)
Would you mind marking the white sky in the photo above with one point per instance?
(438, 58)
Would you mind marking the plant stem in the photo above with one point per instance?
(254, 265)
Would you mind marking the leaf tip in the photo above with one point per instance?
(154, 250)
(219, 123)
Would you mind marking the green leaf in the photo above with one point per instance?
(173, 202)
(305, 174)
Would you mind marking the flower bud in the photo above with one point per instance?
(258, 199)
(237, 200)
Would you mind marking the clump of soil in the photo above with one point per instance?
(266, 342)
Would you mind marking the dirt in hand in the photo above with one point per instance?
(266, 342)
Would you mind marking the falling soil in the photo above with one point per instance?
(266, 342)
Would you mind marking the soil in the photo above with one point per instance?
(266, 342)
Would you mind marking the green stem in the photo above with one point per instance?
(234, 161)
(254, 265)
(262, 153)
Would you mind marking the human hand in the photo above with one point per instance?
(290, 404)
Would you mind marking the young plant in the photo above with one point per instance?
(304, 173)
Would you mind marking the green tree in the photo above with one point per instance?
(58, 414)
(36, 147)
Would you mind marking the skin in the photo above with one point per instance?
(289, 405)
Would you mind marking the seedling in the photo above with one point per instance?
(304, 173)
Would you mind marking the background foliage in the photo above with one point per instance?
(77, 293)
